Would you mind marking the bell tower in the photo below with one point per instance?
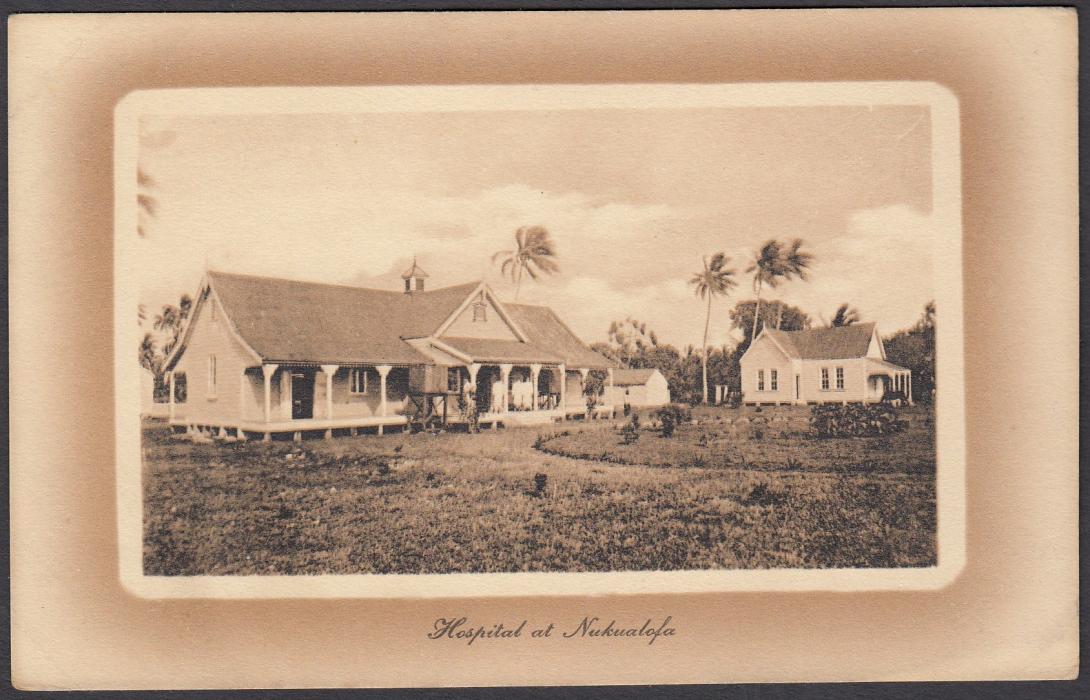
(414, 278)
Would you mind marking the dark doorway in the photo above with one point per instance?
(797, 394)
(485, 377)
(302, 394)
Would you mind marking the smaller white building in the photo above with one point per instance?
(638, 388)
(821, 365)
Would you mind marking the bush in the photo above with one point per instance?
(854, 420)
(671, 416)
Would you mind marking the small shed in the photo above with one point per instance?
(640, 387)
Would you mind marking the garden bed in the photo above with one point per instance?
(770, 440)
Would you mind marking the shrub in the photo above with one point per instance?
(539, 483)
(764, 495)
(854, 420)
(671, 416)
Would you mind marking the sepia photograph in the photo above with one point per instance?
(553, 348)
(601, 339)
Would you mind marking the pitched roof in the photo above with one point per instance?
(544, 329)
(292, 321)
(287, 320)
(489, 350)
(632, 377)
(842, 343)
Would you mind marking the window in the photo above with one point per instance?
(773, 380)
(211, 376)
(760, 380)
(357, 380)
(480, 312)
(454, 379)
(840, 379)
(180, 387)
(824, 378)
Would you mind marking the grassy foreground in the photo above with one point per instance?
(468, 503)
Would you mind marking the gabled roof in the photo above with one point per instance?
(842, 343)
(632, 377)
(286, 320)
(544, 329)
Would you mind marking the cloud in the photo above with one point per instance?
(617, 258)
(588, 304)
(369, 236)
(882, 263)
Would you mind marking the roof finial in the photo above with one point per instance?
(414, 273)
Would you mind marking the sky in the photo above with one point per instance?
(632, 198)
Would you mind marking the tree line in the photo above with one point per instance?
(632, 344)
(689, 371)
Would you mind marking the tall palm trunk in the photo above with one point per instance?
(756, 312)
(518, 281)
(704, 347)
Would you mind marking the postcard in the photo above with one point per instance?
(584, 364)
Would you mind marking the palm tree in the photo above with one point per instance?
(534, 254)
(845, 316)
(172, 320)
(149, 355)
(167, 319)
(796, 263)
(774, 263)
(714, 280)
(763, 268)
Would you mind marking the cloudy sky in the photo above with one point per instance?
(633, 199)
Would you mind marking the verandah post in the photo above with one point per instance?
(563, 391)
(382, 370)
(329, 371)
(267, 372)
(535, 372)
(505, 376)
(584, 372)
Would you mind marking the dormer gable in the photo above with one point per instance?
(481, 315)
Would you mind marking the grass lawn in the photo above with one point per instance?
(467, 503)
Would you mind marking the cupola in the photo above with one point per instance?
(414, 278)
